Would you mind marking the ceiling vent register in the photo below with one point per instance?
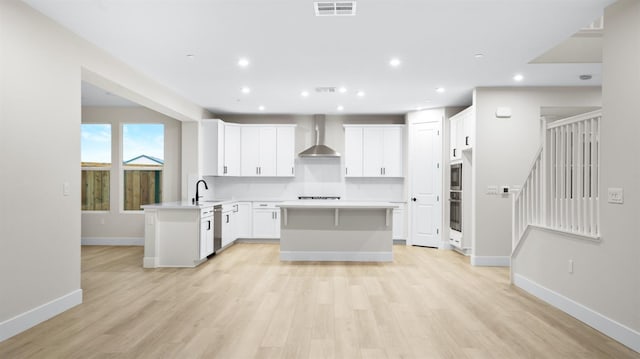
(339, 8)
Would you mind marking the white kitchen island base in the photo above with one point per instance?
(336, 231)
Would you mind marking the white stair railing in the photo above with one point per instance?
(561, 190)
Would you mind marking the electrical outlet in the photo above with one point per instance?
(615, 195)
(66, 188)
(570, 267)
(504, 189)
(492, 189)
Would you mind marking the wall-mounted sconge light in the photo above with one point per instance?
(503, 112)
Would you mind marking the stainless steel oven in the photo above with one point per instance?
(455, 211)
(456, 177)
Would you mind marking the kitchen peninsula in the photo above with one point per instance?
(336, 231)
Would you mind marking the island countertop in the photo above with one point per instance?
(340, 204)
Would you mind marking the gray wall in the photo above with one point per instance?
(41, 68)
(504, 151)
(116, 224)
(606, 277)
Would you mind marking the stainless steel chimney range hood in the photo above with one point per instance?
(319, 149)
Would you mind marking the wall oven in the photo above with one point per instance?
(455, 211)
(456, 177)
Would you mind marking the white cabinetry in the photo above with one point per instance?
(285, 151)
(399, 221)
(461, 132)
(374, 150)
(206, 232)
(231, 150)
(212, 147)
(228, 225)
(258, 151)
(243, 220)
(352, 151)
(266, 220)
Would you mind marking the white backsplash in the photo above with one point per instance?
(314, 177)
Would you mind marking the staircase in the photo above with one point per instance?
(561, 190)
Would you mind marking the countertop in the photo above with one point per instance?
(185, 204)
(336, 204)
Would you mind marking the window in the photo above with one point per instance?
(96, 166)
(143, 161)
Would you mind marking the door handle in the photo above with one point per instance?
(414, 199)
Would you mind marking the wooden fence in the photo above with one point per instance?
(95, 190)
(141, 187)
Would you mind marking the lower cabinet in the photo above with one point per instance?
(398, 230)
(266, 220)
(206, 233)
(228, 224)
(243, 220)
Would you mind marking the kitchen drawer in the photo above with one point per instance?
(267, 205)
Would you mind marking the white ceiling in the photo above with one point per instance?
(292, 50)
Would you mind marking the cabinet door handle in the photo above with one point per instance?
(466, 141)
(275, 215)
(208, 225)
(256, 170)
(384, 171)
(454, 152)
(414, 199)
(260, 170)
(225, 170)
(227, 218)
(346, 171)
(292, 170)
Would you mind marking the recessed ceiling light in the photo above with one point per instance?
(395, 62)
(342, 89)
(261, 108)
(243, 62)
(440, 90)
(246, 90)
(360, 94)
(518, 77)
(478, 56)
(340, 108)
(304, 93)
(191, 56)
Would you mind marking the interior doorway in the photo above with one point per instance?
(425, 199)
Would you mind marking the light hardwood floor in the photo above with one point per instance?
(245, 303)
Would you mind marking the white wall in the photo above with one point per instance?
(313, 176)
(41, 68)
(115, 224)
(503, 152)
(606, 277)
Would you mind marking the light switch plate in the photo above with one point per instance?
(615, 195)
(66, 189)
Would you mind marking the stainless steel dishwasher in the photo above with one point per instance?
(217, 228)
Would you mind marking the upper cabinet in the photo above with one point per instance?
(462, 131)
(213, 145)
(248, 150)
(374, 150)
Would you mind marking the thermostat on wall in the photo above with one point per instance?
(503, 112)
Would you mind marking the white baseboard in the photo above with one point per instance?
(150, 262)
(258, 240)
(326, 256)
(491, 261)
(400, 242)
(607, 326)
(35, 316)
(112, 241)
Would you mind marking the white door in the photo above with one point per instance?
(425, 201)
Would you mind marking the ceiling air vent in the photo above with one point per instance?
(340, 8)
(325, 89)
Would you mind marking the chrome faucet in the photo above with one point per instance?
(197, 189)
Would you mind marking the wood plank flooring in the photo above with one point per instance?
(245, 303)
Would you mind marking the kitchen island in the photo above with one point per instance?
(336, 230)
(178, 234)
